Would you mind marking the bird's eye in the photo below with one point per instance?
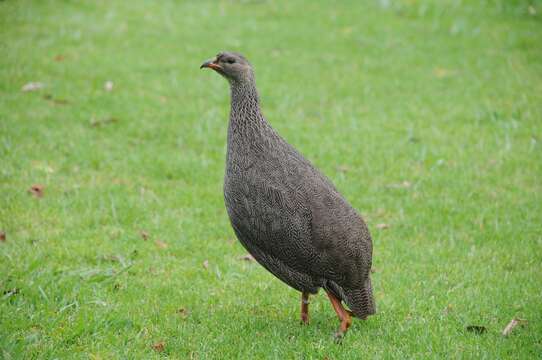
(230, 61)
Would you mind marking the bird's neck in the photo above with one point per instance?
(245, 114)
(245, 101)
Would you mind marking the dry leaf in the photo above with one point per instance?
(2, 236)
(512, 325)
(478, 329)
(159, 346)
(382, 226)
(206, 264)
(160, 244)
(402, 185)
(343, 168)
(36, 190)
(183, 312)
(108, 86)
(32, 86)
(59, 57)
(99, 122)
(247, 257)
(112, 258)
(144, 235)
(50, 98)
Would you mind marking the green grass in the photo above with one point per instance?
(426, 115)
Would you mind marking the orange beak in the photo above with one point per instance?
(211, 64)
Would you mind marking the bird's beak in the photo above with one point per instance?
(211, 64)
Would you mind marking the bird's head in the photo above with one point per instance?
(233, 66)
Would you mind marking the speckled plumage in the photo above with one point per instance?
(286, 213)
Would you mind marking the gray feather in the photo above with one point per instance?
(286, 213)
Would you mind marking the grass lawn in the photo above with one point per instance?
(427, 115)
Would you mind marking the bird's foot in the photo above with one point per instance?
(304, 319)
(338, 337)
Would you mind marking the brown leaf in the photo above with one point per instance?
(478, 329)
(36, 190)
(2, 236)
(382, 226)
(247, 257)
(50, 98)
(159, 346)
(32, 86)
(512, 325)
(161, 244)
(206, 264)
(144, 235)
(59, 58)
(99, 122)
(183, 313)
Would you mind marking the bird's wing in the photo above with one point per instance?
(273, 219)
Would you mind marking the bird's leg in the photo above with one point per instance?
(305, 308)
(343, 315)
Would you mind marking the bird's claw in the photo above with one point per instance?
(338, 337)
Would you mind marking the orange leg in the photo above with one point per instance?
(305, 308)
(342, 313)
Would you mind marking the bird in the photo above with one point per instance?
(286, 213)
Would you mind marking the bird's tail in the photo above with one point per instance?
(361, 301)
